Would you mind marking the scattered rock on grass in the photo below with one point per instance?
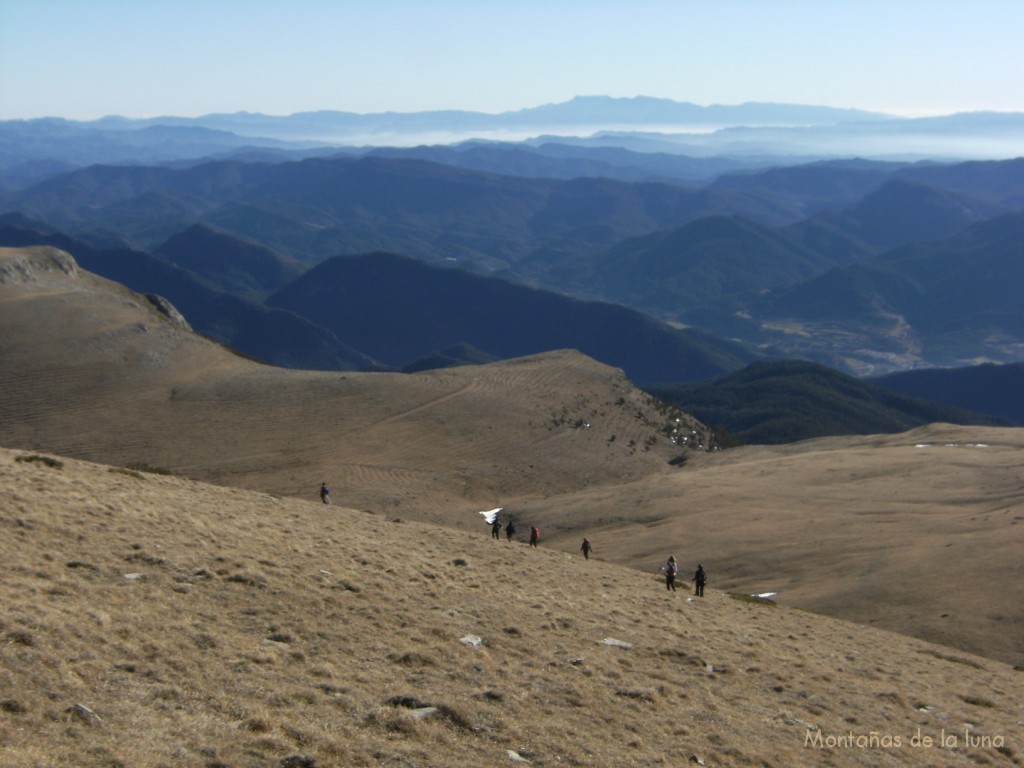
(617, 643)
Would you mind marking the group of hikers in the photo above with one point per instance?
(510, 531)
(670, 569)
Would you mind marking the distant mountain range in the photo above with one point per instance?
(332, 126)
(380, 311)
(751, 132)
(228, 263)
(399, 310)
(775, 402)
(817, 261)
(322, 207)
(950, 302)
(675, 267)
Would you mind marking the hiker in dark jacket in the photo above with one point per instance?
(510, 530)
(496, 529)
(586, 549)
(699, 579)
(325, 493)
(534, 535)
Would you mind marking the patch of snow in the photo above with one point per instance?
(766, 595)
(954, 445)
(516, 757)
(490, 515)
(617, 643)
(472, 640)
(422, 712)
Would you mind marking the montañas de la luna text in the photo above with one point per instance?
(880, 740)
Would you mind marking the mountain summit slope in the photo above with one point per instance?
(152, 620)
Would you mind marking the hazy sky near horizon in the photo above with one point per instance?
(83, 59)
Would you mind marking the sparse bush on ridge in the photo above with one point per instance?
(36, 458)
(950, 657)
(979, 701)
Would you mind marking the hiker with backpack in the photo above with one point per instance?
(510, 530)
(699, 579)
(586, 549)
(496, 529)
(534, 536)
(325, 493)
(670, 569)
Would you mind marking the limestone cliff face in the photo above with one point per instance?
(27, 265)
(46, 267)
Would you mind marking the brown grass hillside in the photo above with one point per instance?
(92, 370)
(920, 533)
(156, 621)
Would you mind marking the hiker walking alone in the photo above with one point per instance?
(699, 579)
(534, 535)
(670, 568)
(325, 493)
(586, 549)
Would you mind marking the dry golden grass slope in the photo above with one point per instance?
(93, 370)
(157, 621)
(920, 533)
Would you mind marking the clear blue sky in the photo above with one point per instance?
(83, 59)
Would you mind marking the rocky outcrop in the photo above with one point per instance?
(26, 265)
(166, 308)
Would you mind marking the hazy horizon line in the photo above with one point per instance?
(900, 113)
